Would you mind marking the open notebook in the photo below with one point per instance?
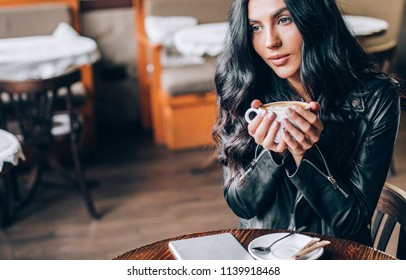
(212, 247)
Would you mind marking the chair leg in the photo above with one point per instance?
(61, 171)
(25, 190)
(74, 136)
(4, 205)
(83, 185)
(81, 176)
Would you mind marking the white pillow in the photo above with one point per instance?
(161, 29)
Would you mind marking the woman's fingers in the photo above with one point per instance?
(306, 127)
(310, 116)
(314, 107)
(296, 139)
(259, 127)
(307, 121)
(255, 123)
(264, 129)
(268, 141)
(280, 147)
(302, 129)
(256, 103)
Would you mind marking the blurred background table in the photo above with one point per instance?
(31, 67)
(24, 58)
(339, 249)
(46, 56)
(365, 26)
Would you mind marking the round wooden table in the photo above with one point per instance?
(45, 56)
(339, 249)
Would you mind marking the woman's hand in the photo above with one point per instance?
(263, 129)
(307, 131)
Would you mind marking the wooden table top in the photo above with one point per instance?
(339, 249)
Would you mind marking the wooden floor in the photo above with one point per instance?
(145, 194)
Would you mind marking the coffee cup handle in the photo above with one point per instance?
(248, 112)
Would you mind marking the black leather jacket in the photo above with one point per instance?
(335, 189)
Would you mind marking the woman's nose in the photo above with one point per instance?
(273, 40)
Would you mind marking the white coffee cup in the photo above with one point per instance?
(279, 108)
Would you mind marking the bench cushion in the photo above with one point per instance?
(31, 20)
(185, 79)
(189, 78)
(201, 9)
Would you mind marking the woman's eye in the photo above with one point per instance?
(255, 28)
(285, 20)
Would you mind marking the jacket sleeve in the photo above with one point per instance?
(347, 204)
(249, 194)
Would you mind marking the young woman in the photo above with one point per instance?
(328, 171)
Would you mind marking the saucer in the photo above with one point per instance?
(284, 249)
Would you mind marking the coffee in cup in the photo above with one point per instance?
(279, 108)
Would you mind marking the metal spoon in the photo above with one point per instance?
(267, 249)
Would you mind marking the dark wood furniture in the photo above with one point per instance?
(86, 5)
(391, 209)
(29, 108)
(339, 249)
(87, 79)
(10, 155)
(4, 195)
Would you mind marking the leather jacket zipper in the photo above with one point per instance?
(293, 219)
(329, 177)
(252, 164)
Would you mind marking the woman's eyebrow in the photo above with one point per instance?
(273, 16)
(278, 12)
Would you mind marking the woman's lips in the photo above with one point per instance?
(279, 60)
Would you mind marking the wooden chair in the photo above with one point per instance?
(391, 209)
(29, 110)
(180, 118)
(41, 17)
(4, 207)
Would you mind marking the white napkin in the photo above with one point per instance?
(10, 149)
(64, 30)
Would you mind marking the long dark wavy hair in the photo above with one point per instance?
(333, 63)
